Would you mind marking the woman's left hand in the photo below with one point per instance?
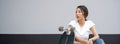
(90, 41)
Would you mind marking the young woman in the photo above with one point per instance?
(83, 26)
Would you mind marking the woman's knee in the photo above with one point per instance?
(99, 41)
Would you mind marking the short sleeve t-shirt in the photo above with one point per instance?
(82, 32)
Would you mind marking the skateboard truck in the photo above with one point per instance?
(67, 30)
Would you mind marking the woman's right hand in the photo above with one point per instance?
(83, 41)
(86, 42)
(90, 41)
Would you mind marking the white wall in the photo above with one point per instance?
(45, 16)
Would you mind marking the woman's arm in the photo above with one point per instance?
(96, 36)
(81, 40)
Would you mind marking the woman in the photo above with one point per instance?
(83, 26)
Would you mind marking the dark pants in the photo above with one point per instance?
(69, 39)
(99, 41)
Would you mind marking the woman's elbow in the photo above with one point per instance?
(97, 36)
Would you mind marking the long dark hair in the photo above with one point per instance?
(85, 10)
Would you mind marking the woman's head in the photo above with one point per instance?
(81, 12)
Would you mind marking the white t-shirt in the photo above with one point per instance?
(82, 32)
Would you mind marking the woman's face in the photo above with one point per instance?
(79, 14)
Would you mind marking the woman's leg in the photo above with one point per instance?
(71, 38)
(67, 39)
(99, 41)
(63, 38)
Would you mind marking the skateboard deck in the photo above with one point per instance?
(67, 39)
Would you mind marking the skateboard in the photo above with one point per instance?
(67, 39)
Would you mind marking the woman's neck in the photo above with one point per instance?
(81, 22)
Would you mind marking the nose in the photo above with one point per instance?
(77, 14)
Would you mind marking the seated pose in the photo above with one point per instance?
(83, 27)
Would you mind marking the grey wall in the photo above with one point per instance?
(45, 16)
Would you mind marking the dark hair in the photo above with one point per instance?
(83, 9)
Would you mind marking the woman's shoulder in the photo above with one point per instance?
(75, 21)
(90, 22)
(72, 22)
